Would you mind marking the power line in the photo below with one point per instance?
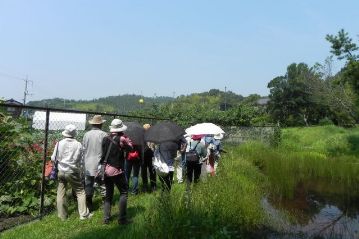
(11, 76)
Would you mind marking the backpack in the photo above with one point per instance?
(192, 155)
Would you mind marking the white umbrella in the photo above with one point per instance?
(204, 128)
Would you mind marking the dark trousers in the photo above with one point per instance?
(147, 165)
(193, 171)
(89, 190)
(122, 185)
(167, 181)
(134, 164)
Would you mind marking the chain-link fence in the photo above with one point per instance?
(28, 136)
(238, 135)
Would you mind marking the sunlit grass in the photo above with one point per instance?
(224, 206)
(326, 153)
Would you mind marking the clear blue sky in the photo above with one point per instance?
(83, 49)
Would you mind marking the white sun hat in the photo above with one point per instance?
(70, 131)
(218, 136)
(117, 126)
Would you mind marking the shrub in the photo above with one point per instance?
(20, 164)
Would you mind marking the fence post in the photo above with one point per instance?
(44, 163)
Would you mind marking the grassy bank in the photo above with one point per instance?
(225, 206)
(325, 153)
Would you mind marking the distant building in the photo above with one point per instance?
(13, 111)
(263, 101)
(58, 120)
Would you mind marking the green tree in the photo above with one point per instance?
(291, 96)
(205, 107)
(343, 47)
(335, 99)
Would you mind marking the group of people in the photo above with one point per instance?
(108, 159)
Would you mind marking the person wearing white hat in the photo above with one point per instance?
(67, 153)
(214, 148)
(114, 148)
(92, 151)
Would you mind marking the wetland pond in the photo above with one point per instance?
(318, 209)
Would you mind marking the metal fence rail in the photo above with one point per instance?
(27, 138)
(240, 134)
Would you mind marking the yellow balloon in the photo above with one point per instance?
(140, 101)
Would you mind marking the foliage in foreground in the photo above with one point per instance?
(225, 206)
(20, 168)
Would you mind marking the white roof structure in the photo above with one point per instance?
(58, 121)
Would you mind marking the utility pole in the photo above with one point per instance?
(225, 98)
(26, 92)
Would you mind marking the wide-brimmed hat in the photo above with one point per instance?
(146, 126)
(97, 119)
(218, 136)
(70, 131)
(117, 126)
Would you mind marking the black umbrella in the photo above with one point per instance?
(135, 132)
(164, 131)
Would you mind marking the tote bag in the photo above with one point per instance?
(159, 164)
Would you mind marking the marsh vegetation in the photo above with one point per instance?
(301, 188)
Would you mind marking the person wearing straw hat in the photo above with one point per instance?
(114, 148)
(67, 153)
(92, 151)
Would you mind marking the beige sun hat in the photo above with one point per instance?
(97, 119)
(70, 131)
(117, 126)
(146, 126)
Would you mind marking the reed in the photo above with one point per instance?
(326, 153)
(224, 206)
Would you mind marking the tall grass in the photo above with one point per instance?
(224, 206)
(326, 153)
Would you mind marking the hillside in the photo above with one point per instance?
(128, 103)
(121, 103)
